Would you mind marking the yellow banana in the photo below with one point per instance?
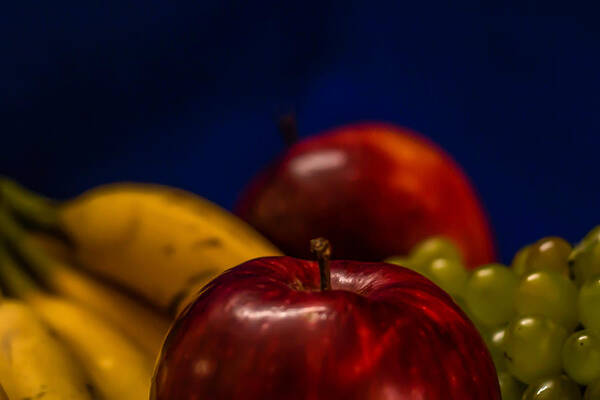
(33, 364)
(114, 364)
(3, 395)
(143, 325)
(156, 240)
(116, 367)
(51, 245)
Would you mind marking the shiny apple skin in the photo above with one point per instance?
(373, 189)
(264, 330)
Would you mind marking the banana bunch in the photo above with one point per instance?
(161, 243)
(33, 362)
(96, 281)
(53, 347)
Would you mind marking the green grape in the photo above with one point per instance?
(593, 391)
(489, 294)
(549, 254)
(463, 306)
(585, 264)
(589, 239)
(518, 264)
(581, 356)
(434, 247)
(548, 294)
(449, 274)
(588, 304)
(532, 347)
(495, 343)
(593, 234)
(553, 388)
(510, 388)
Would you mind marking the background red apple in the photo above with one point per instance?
(265, 330)
(373, 189)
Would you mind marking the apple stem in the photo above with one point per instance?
(288, 128)
(321, 248)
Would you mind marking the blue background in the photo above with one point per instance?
(188, 96)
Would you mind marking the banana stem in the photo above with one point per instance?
(14, 280)
(28, 205)
(16, 238)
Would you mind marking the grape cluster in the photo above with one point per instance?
(540, 316)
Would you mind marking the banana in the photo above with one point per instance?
(114, 364)
(3, 395)
(117, 369)
(155, 240)
(142, 324)
(33, 364)
(50, 245)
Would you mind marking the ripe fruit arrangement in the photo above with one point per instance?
(96, 286)
(540, 317)
(81, 289)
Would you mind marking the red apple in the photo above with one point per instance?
(272, 328)
(373, 189)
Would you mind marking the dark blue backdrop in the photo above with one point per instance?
(187, 96)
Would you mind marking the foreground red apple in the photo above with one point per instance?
(275, 328)
(374, 190)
